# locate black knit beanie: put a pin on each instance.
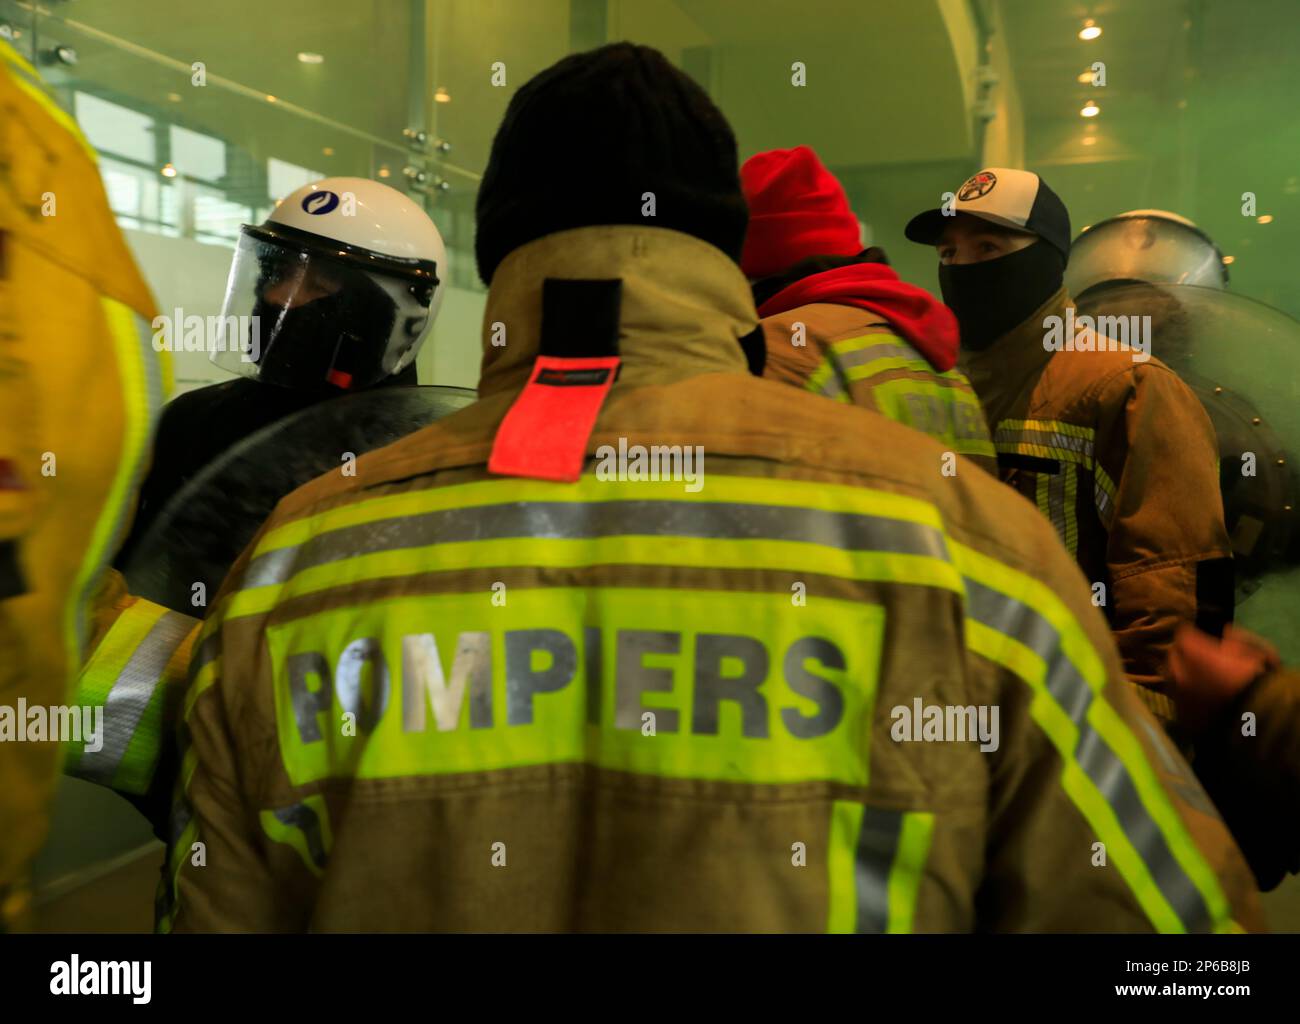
(582, 142)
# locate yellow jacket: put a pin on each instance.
(80, 389)
(1121, 457)
(430, 698)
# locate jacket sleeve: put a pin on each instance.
(1094, 820)
(1168, 554)
(1249, 761)
(134, 677)
(219, 876)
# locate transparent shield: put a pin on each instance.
(1242, 358)
(205, 526)
(1141, 248)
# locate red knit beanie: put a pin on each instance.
(796, 209)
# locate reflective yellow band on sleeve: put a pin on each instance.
(1019, 623)
(134, 677)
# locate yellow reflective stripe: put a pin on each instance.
(864, 371)
(29, 81)
(907, 871)
(1040, 496)
(1042, 452)
(875, 863)
(842, 867)
(141, 399)
(306, 828)
(205, 664)
(1049, 426)
(1105, 770)
(1071, 536)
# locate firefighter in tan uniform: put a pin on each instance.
(1104, 438)
(597, 651)
(80, 390)
(837, 320)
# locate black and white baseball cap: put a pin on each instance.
(1015, 199)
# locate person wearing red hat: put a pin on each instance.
(836, 318)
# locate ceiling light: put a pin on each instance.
(1090, 110)
(270, 98)
(1228, 259)
(1085, 77)
(328, 150)
(384, 172)
(1265, 219)
(175, 97)
(168, 171)
(1089, 140)
(1090, 30)
(441, 95)
(311, 58)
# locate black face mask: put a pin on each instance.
(993, 297)
(346, 332)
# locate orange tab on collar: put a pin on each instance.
(544, 435)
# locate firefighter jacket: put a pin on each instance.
(1119, 454)
(80, 389)
(743, 694)
(854, 356)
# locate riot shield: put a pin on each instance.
(1151, 246)
(1242, 359)
(207, 524)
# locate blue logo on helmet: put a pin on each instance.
(320, 202)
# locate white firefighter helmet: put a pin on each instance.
(338, 288)
(1147, 246)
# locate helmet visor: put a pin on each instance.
(297, 317)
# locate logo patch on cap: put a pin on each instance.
(977, 186)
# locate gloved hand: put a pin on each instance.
(1207, 673)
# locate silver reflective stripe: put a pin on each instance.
(303, 818)
(832, 386)
(130, 696)
(1105, 511)
(862, 356)
(1006, 437)
(556, 520)
(153, 405)
(1092, 753)
(873, 863)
